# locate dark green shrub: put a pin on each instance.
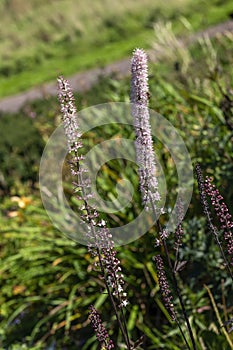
(21, 147)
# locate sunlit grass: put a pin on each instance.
(40, 39)
(50, 69)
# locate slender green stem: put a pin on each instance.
(175, 283)
(176, 289)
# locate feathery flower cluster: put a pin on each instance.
(100, 331)
(115, 278)
(164, 287)
(109, 263)
(74, 143)
(222, 213)
(69, 115)
(201, 187)
(163, 235)
(179, 233)
(100, 241)
(144, 146)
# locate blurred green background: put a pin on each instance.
(41, 39)
(47, 281)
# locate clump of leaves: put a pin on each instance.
(21, 147)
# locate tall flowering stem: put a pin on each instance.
(224, 217)
(166, 293)
(100, 243)
(164, 287)
(147, 165)
(179, 233)
(206, 188)
(144, 146)
(100, 331)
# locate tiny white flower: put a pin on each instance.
(120, 289)
(124, 303)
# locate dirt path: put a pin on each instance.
(81, 82)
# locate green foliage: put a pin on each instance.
(21, 146)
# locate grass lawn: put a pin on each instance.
(42, 39)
